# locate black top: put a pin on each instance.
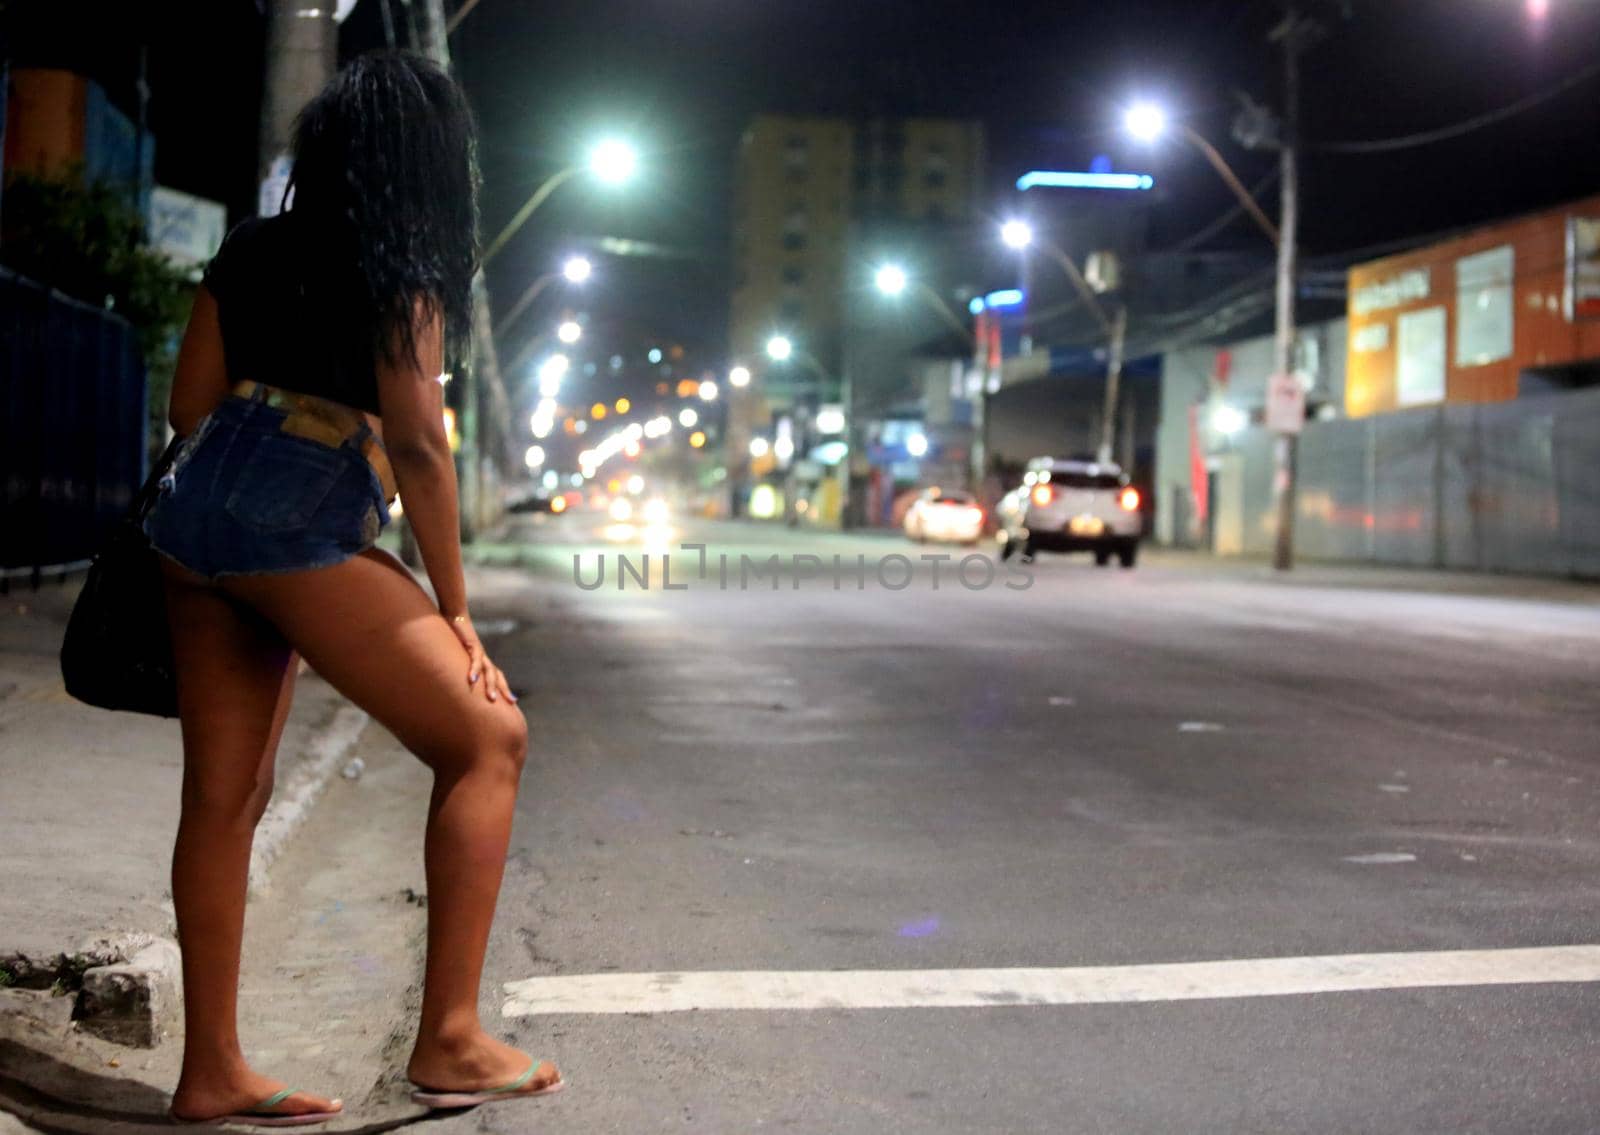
(271, 330)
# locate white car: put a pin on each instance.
(944, 516)
(1072, 506)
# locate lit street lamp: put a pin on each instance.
(892, 281)
(612, 162)
(570, 331)
(576, 270)
(779, 348)
(1147, 122)
(739, 376)
(1018, 235)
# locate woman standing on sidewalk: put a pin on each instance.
(309, 383)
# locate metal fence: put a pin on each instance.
(1509, 487)
(72, 427)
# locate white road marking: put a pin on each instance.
(1394, 788)
(1382, 857)
(1199, 727)
(1086, 985)
(1063, 701)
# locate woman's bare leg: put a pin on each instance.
(235, 682)
(373, 633)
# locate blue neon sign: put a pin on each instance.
(1072, 179)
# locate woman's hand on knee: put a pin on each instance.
(480, 671)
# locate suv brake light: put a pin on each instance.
(1129, 499)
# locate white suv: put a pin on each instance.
(1072, 506)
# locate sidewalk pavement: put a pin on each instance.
(88, 807)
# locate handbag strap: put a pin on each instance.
(145, 499)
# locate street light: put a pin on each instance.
(551, 372)
(708, 391)
(1148, 122)
(779, 349)
(687, 417)
(893, 281)
(759, 447)
(917, 444)
(1114, 325)
(534, 457)
(570, 331)
(1294, 34)
(739, 376)
(612, 162)
(1016, 234)
(576, 270)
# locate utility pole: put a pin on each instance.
(1108, 418)
(302, 54)
(483, 371)
(1293, 33)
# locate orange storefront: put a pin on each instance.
(1481, 317)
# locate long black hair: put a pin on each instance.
(385, 188)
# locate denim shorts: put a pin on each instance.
(244, 498)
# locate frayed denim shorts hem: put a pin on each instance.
(245, 498)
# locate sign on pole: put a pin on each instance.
(1286, 404)
(188, 230)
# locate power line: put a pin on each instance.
(1227, 218)
(1443, 133)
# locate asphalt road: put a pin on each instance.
(1186, 762)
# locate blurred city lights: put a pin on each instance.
(708, 391)
(636, 484)
(534, 457)
(623, 405)
(655, 355)
(551, 372)
(830, 420)
(739, 376)
(687, 417)
(779, 348)
(1016, 234)
(597, 411)
(697, 439)
(891, 279)
(570, 331)
(759, 447)
(613, 161)
(917, 444)
(632, 449)
(783, 448)
(577, 269)
(1228, 420)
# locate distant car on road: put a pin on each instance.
(944, 516)
(1072, 506)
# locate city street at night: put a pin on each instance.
(827, 567)
(1179, 764)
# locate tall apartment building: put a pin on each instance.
(805, 188)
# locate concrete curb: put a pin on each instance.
(131, 988)
(292, 800)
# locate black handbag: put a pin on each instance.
(117, 653)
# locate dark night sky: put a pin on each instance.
(682, 76)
